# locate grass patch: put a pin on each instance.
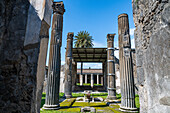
(67, 102)
(89, 84)
(91, 104)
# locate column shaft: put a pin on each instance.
(111, 67)
(68, 66)
(92, 80)
(101, 80)
(97, 79)
(53, 80)
(126, 68)
(86, 78)
(81, 79)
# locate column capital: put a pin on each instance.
(70, 35)
(122, 15)
(110, 37)
(58, 7)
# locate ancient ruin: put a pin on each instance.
(24, 35)
(126, 68)
(53, 80)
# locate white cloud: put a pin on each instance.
(132, 43)
(132, 31)
(62, 62)
(97, 44)
(116, 53)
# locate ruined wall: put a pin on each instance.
(18, 56)
(152, 41)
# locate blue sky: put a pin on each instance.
(98, 17)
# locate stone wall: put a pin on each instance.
(19, 51)
(152, 41)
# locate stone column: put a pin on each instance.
(86, 78)
(81, 79)
(97, 79)
(105, 74)
(111, 68)
(92, 80)
(126, 68)
(102, 80)
(53, 80)
(41, 70)
(68, 66)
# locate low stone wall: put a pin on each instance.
(152, 37)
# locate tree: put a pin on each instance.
(83, 40)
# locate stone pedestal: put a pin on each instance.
(81, 80)
(126, 68)
(92, 80)
(111, 68)
(53, 80)
(68, 66)
(86, 78)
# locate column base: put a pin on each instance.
(68, 96)
(112, 99)
(51, 107)
(127, 109)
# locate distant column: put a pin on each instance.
(81, 79)
(126, 68)
(86, 78)
(68, 66)
(102, 80)
(111, 68)
(53, 80)
(92, 80)
(105, 74)
(97, 79)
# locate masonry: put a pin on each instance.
(20, 40)
(152, 41)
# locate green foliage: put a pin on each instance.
(137, 101)
(83, 40)
(88, 84)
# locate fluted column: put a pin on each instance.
(92, 80)
(126, 68)
(53, 80)
(111, 68)
(68, 66)
(86, 78)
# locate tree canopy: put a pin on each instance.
(83, 40)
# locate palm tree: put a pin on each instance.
(83, 40)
